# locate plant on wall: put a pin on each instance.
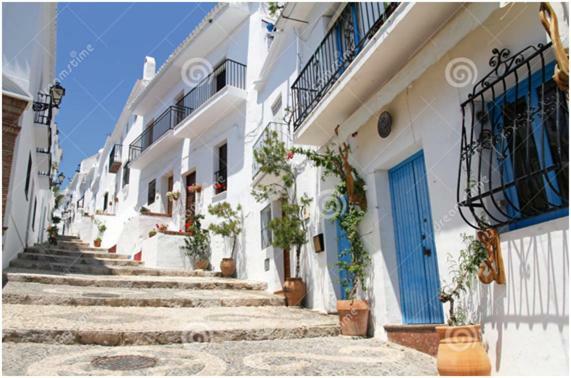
(351, 188)
(52, 234)
(463, 269)
(173, 196)
(197, 243)
(231, 224)
(290, 229)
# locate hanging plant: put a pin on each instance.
(194, 188)
(173, 196)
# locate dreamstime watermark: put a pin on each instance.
(76, 58)
(331, 204)
(461, 72)
(196, 333)
(194, 70)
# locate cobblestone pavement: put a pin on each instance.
(316, 356)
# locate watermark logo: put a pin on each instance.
(331, 204)
(461, 72)
(194, 70)
(76, 58)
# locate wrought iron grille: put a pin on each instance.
(226, 73)
(354, 28)
(220, 180)
(156, 129)
(41, 109)
(115, 158)
(514, 156)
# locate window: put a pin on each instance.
(28, 175)
(105, 199)
(151, 192)
(221, 175)
(514, 151)
(277, 107)
(265, 218)
(34, 213)
(126, 171)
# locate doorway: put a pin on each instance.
(170, 185)
(190, 196)
(416, 253)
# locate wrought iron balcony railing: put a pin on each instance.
(115, 158)
(41, 113)
(514, 155)
(227, 73)
(272, 129)
(156, 129)
(356, 24)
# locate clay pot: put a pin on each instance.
(201, 264)
(294, 291)
(353, 317)
(97, 243)
(461, 352)
(228, 267)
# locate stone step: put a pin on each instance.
(77, 260)
(73, 247)
(68, 238)
(103, 269)
(67, 252)
(65, 295)
(150, 325)
(159, 282)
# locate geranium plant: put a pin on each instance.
(197, 244)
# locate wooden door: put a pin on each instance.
(190, 196)
(169, 189)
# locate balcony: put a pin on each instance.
(213, 98)
(115, 158)
(43, 159)
(145, 148)
(281, 131)
(362, 51)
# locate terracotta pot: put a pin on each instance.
(201, 264)
(97, 243)
(294, 291)
(461, 352)
(353, 317)
(228, 267)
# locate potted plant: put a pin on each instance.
(161, 227)
(290, 230)
(195, 188)
(347, 206)
(460, 351)
(101, 228)
(52, 234)
(197, 244)
(152, 233)
(173, 196)
(229, 228)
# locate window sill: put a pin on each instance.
(219, 197)
(532, 221)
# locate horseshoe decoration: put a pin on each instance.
(492, 269)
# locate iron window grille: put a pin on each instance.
(221, 175)
(514, 155)
(151, 191)
(356, 25)
(115, 158)
(41, 108)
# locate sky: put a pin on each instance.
(101, 49)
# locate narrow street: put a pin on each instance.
(90, 312)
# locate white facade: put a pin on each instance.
(402, 70)
(28, 69)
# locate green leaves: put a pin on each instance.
(197, 244)
(231, 226)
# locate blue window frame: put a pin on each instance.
(534, 149)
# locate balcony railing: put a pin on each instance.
(272, 129)
(115, 158)
(156, 129)
(356, 24)
(228, 73)
(41, 113)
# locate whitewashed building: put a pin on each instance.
(30, 142)
(422, 92)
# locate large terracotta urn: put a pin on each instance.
(353, 317)
(228, 267)
(294, 291)
(460, 351)
(201, 264)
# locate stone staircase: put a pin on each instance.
(75, 294)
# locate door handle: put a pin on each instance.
(426, 251)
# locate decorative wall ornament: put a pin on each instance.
(384, 124)
(492, 269)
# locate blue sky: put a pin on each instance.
(100, 53)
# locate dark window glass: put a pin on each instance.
(34, 213)
(151, 192)
(125, 175)
(28, 175)
(265, 217)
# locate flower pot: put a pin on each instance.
(97, 243)
(228, 267)
(294, 291)
(353, 317)
(201, 264)
(460, 351)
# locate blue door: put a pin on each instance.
(343, 244)
(414, 239)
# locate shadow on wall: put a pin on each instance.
(535, 295)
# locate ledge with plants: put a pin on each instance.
(197, 243)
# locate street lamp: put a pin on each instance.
(60, 178)
(57, 92)
(55, 96)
